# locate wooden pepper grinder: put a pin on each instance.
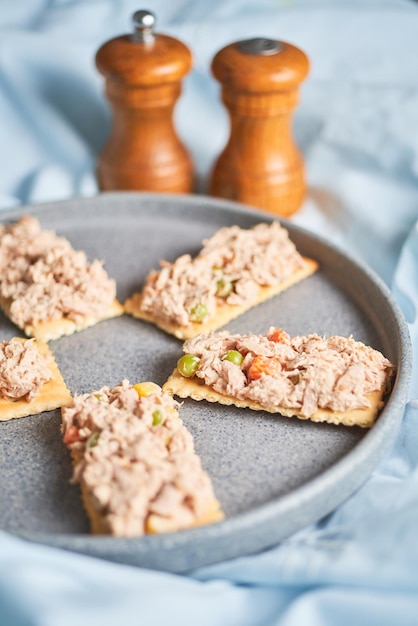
(143, 72)
(260, 164)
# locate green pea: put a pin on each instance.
(92, 440)
(234, 356)
(187, 365)
(157, 418)
(198, 312)
(223, 287)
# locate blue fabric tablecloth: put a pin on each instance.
(357, 126)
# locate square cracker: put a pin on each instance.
(225, 313)
(196, 389)
(50, 330)
(155, 525)
(52, 395)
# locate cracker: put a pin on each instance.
(155, 525)
(52, 395)
(50, 281)
(100, 513)
(50, 330)
(225, 313)
(196, 389)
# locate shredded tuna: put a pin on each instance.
(23, 370)
(42, 277)
(303, 373)
(231, 267)
(132, 466)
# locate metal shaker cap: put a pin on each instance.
(143, 22)
(260, 46)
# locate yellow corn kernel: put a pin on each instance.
(146, 389)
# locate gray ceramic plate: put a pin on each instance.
(273, 475)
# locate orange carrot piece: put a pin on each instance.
(263, 365)
(278, 335)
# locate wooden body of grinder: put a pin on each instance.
(143, 72)
(261, 164)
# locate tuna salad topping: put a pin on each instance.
(137, 459)
(42, 277)
(275, 370)
(230, 268)
(23, 370)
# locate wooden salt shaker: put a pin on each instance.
(261, 164)
(143, 72)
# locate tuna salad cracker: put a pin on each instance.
(235, 270)
(335, 379)
(135, 462)
(47, 288)
(30, 381)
